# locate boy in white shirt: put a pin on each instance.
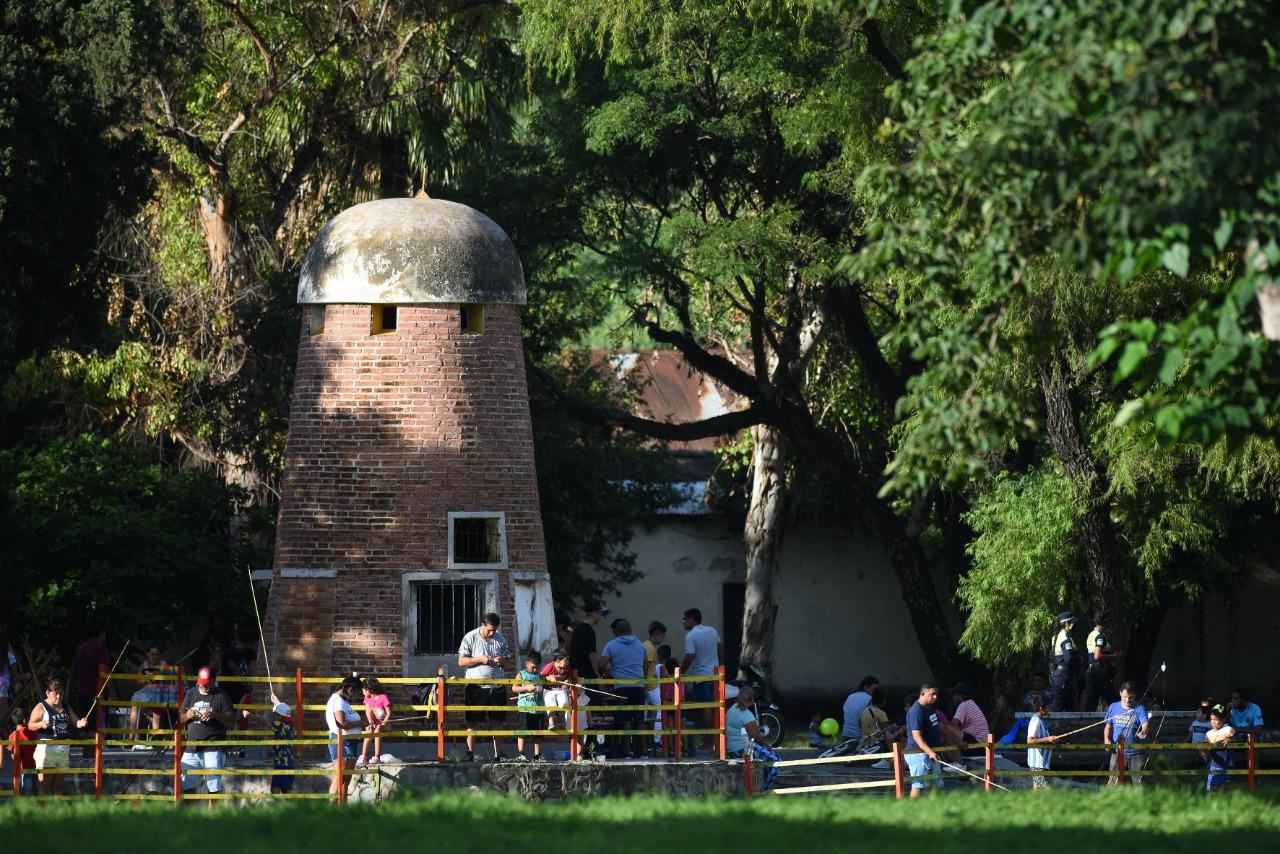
(1038, 733)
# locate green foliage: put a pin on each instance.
(1123, 138)
(1025, 564)
(595, 484)
(96, 528)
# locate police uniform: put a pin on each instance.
(1062, 672)
(1099, 678)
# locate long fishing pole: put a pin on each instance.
(984, 780)
(262, 637)
(107, 681)
(1107, 719)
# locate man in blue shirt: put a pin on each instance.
(924, 734)
(1246, 717)
(1127, 721)
(623, 658)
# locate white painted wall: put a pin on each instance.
(840, 610)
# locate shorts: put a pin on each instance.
(52, 756)
(920, 765)
(532, 721)
(1215, 781)
(483, 695)
(704, 692)
(209, 760)
(283, 782)
(348, 746)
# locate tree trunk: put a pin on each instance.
(1094, 528)
(902, 541)
(762, 539)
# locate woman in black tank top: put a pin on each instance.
(51, 719)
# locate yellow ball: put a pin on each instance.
(829, 727)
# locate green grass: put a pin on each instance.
(959, 821)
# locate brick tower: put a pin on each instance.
(409, 505)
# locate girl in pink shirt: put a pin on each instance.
(377, 708)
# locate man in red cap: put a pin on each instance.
(206, 713)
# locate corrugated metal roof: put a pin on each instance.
(670, 390)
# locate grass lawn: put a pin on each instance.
(960, 821)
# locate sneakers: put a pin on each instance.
(470, 757)
(375, 760)
(361, 762)
(520, 757)
(539, 758)
(502, 757)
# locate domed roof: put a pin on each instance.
(404, 251)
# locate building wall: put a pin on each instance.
(389, 434)
(840, 611)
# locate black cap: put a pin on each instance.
(596, 605)
(1102, 616)
(1066, 617)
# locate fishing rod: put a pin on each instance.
(984, 780)
(262, 637)
(1106, 719)
(107, 681)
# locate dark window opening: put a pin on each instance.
(446, 610)
(384, 319)
(476, 539)
(471, 318)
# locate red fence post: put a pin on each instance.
(721, 714)
(338, 767)
(182, 685)
(177, 764)
(17, 763)
(990, 772)
(746, 772)
(97, 764)
(1120, 761)
(299, 730)
(1252, 760)
(441, 689)
(573, 716)
(899, 778)
(679, 715)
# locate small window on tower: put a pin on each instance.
(477, 540)
(317, 319)
(472, 318)
(384, 319)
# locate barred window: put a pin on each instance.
(477, 540)
(445, 611)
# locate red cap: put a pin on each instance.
(204, 677)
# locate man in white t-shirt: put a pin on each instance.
(703, 653)
(339, 715)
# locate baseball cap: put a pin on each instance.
(1066, 617)
(597, 606)
(282, 709)
(204, 677)
(1102, 617)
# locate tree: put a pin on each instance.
(711, 176)
(1062, 166)
(97, 528)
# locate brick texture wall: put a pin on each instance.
(388, 434)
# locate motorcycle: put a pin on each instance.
(768, 713)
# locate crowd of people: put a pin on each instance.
(1072, 685)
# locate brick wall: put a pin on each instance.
(388, 434)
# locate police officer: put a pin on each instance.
(1063, 665)
(1099, 679)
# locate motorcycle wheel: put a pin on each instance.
(771, 727)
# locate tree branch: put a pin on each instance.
(233, 6)
(845, 304)
(589, 413)
(880, 51)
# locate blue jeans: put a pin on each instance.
(760, 753)
(348, 746)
